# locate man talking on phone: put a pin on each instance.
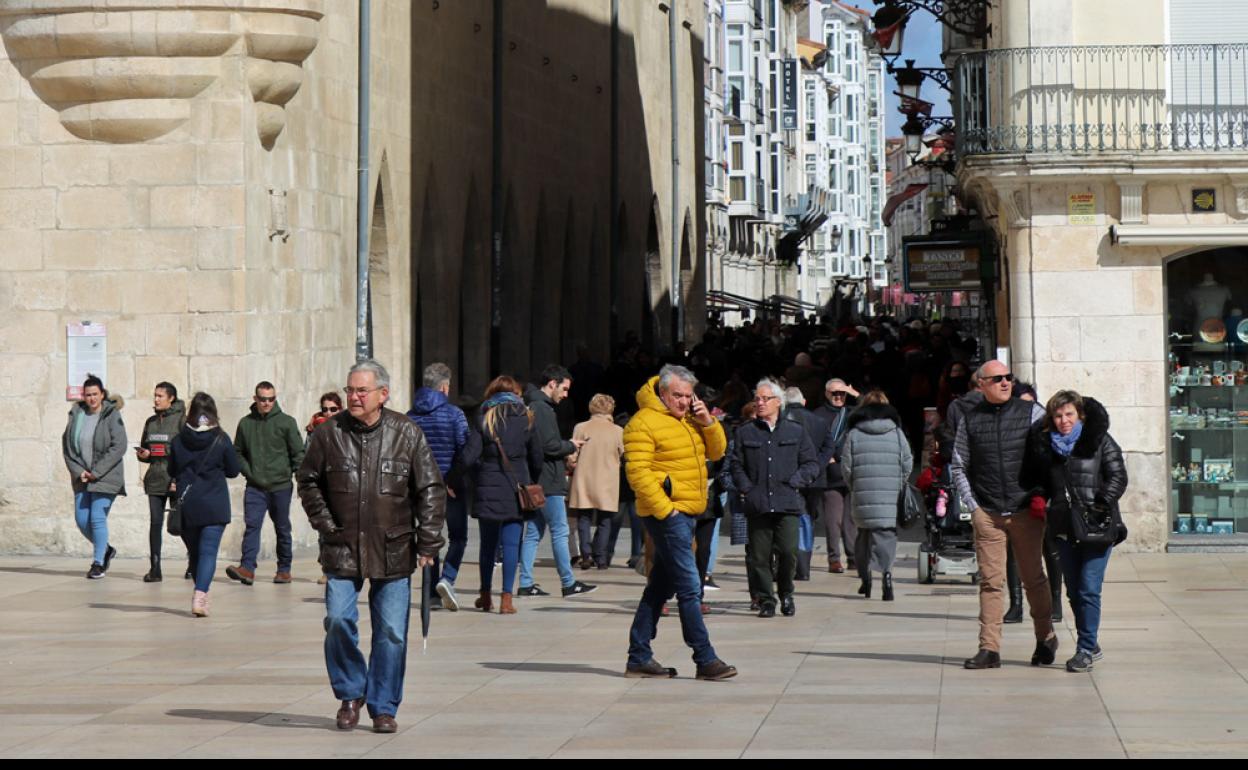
(666, 446)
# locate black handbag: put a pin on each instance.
(911, 507)
(173, 522)
(1090, 523)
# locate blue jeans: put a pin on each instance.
(91, 516)
(492, 535)
(805, 533)
(554, 514)
(675, 573)
(457, 532)
(710, 567)
(1083, 566)
(636, 529)
(202, 545)
(256, 503)
(379, 680)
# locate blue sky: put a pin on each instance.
(922, 44)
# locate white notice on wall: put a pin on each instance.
(87, 350)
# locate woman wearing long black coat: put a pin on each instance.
(507, 421)
(1075, 455)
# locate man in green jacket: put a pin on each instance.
(270, 448)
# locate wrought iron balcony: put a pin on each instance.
(1103, 99)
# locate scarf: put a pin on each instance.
(498, 399)
(1064, 445)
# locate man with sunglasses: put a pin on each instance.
(839, 524)
(270, 450)
(988, 458)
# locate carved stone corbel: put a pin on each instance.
(1241, 198)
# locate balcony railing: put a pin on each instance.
(1093, 99)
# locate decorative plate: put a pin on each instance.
(1213, 331)
(1241, 331)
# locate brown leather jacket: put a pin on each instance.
(374, 494)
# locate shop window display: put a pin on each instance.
(1208, 367)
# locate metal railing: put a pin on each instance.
(1091, 99)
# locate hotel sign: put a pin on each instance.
(789, 114)
(932, 266)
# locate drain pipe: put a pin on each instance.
(363, 328)
(678, 326)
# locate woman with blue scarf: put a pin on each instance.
(1077, 456)
(502, 452)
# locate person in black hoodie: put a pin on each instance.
(1075, 455)
(201, 458)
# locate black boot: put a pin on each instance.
(1014, 583)
(865, 589)
(803, 566)
(1057, 605)
(888, 586)
(153, 574)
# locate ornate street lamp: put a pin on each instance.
(969, 17)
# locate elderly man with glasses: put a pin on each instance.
(773, 460)
(988, 469)
(372, 489)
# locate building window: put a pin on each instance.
(736, 188)
(736, 56)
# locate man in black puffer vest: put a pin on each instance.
(988, 471)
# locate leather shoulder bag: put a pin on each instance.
(910, 505)
(531, 496)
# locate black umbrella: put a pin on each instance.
(426, 586)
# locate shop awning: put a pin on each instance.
(895, 201)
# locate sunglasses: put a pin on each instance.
(333, 409)
(997, 379)
(837, 394)
(264, 400)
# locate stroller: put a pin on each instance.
(948, 549)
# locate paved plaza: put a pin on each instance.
(119, 668)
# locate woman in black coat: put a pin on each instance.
(1075, 456)
(507, 421)
(201, 458)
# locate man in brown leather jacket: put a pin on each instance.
(371, 487)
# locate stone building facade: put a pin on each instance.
(1104, 142)
(185, 174)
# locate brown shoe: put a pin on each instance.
(484, 602)
(716, 671)
(349, 713)
(384, 723)
(836, 568)
(505, 607)
(281, 578)
(241, 574)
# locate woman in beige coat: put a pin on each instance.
(595, 491)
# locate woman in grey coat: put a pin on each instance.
(876, 463)
(94, 445)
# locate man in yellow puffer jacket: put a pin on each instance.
(666, 446)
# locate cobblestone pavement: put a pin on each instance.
(118, 668)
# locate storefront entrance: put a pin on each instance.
(1207, 295)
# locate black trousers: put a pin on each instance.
(595, 547)
(772, 532)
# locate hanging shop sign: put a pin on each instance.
(789, 104)
(945, 264)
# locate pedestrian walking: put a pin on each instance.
(838, 524)
(876, 462)
(1082, 469)
(988, 469)
(202, 458)
(158, 434)
(93, 447)
(542, 399)
(372, 490)
(446, 429)
(667, 443)
(503, 453)
(331, 404)
(270, 449)
(819, 431)
(772, 461)
(595, 484)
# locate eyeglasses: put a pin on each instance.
(350, 391)
(266, 399)
(765, 399)
(997, 379)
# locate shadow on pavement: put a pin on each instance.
(898, 658)
(140, 608)
(554, 668)
(43, 571)
(269, 718)
(921, 616)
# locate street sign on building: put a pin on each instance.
(789, 103)
(944, 263)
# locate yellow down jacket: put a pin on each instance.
(658, 448)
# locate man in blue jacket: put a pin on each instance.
(446, 429)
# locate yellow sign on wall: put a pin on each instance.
(1081, 208)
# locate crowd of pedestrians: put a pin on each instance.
(776, 433)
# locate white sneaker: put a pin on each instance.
(447, 592)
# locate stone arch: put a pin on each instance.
(653, 277)
(384, 324)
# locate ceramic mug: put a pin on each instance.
(1216, 381)
(1206, 379)
(1237, 366)
(1219, 367)
(1185, 371)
